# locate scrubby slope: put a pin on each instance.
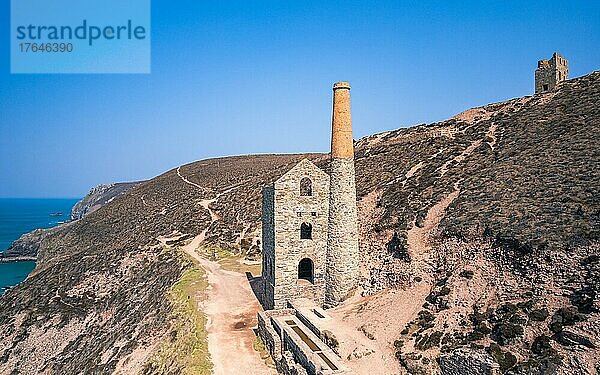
(97, 301)
(497, 205)
(496, 211)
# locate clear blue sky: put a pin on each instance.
(245, 77)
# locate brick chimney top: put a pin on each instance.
(341, 130)
(341, 85)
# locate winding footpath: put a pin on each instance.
(231, 309)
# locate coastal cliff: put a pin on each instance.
(98, 196)
(27, 246)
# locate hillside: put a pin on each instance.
(479, 237)
(98, 196)
(26, 247)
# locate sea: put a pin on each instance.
(22, 215)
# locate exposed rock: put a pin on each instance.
(26, 247)
(541, 346)
(506, 332)
(330, 339)
(398, 247)
(99, 196)
(466, 362)
(505, 359)
(412, 362)
(539, 315)
(427, 341)
(585, 296)
(565, 316)
(483, 328)
(568, 338)
(467, 274)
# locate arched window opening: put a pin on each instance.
(306, 270)
(306, 231)
(305, 187)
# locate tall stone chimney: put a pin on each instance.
(342, 241)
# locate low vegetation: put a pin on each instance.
(528, 179)
(185, 350)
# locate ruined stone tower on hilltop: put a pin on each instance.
(309, 223)
(342, 242)
(550, 73)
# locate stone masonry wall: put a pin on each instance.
(290, 211)
(342, 246)
(284, 360)
(268, 245)
(550, 73)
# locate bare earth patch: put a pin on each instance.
(231, 309)
(368, 326)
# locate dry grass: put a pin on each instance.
(259, 346)
(228, 260)
(186, 349)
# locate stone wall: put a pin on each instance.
(268, 245)
(342, 245)
(287, 249)
(550, 73)
(291, 353)
(266, 331)
(284, 360)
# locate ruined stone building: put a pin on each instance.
(310, 253)
(309, 221)
(550, 73)
(295, 212)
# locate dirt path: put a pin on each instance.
(231, 309)
(188, 181)
(418, 237)
(382, 316)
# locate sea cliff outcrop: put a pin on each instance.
(98, 196)
(27, 246)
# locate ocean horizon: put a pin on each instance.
(22, 215)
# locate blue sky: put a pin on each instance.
(233, 78)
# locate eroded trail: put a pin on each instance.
(383, 316)
(418, 238)
(231, 309)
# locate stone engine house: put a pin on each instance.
(295, 212)
(310, 224)
(550, 73)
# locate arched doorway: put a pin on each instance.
(306, 270)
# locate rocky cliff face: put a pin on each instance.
(489, 221)
(26, 247)
(99, 196)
